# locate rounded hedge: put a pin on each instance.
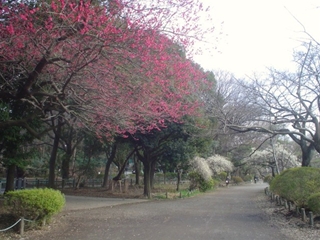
(35, 204)
(297, 184)
(314, 203)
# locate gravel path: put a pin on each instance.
(228, 213)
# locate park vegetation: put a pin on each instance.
(94, 89)
(37, 205)
(299, 185)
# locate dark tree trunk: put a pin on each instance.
(273, 172)
(147, 185)
(307, 154)
(137, 168)
(178, 179)
(118, 177)
(108, 164)
(54, 151)
(11, 169)
(70, 141)
(65, 166)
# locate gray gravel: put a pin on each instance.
(227, 213)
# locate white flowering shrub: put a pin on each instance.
(201, 166)
(200, 176)
(278, 156)
(218, 164)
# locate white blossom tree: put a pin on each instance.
(219, 164)
(278, 158)
(211, 165)
(201, 166)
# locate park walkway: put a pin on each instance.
(228, 213)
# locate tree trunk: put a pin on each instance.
(147, 185)
(307, 154)
(108, 164)
(54, 151)
(10, 178)
(274, 154)
(137, 168)
(178, 179)
(65, 165)
(118, 177)
(272, 170)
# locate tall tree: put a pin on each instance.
(151, 148)
(289, 103)
(72, 57)
(115, 67)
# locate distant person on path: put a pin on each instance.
(255, 179)
(227, 181)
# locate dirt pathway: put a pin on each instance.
(228, 213)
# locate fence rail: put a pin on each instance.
(22, 221)
(290, 206)
(25, 183)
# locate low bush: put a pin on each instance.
(267, 179)
(35, 204)
(247, 178)
(222, 176)
(237, 180)
(198, 182)
(297, 184)
(314, 203)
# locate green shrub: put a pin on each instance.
(198, 182)
(237, 180)
(222, 176)
(247, 178)
(35, 204)
(268, 179)
(314, 203)
(297, 184)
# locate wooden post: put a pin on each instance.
(166, 194)
(126, 185)
(119, 182)
(22, 226)
(297, 210)
(180, 195)
(311, 223)
(112, 185)
(303, 214)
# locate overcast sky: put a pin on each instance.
(258, 33)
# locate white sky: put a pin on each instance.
(257, 33)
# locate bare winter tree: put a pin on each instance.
(289, 103)
(230, 105)
(275, 156)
